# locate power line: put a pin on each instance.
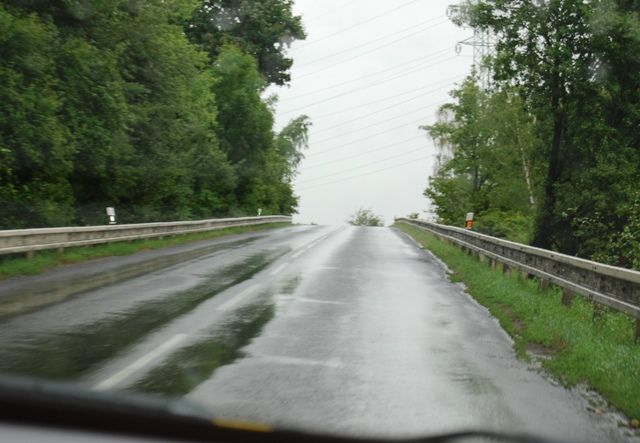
(431, 91)
(423, 26)
(369, 137)
(342, 94)
(376, 124)
(382, 148)
(330, 11)
(424, 58)
(412, 91)
(316, 71)
(365, 174)
(369, 20)
(362, 166)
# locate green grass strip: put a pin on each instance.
(599, 351)
(13, 266)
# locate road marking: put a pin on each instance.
(314, 300)
(304, 249)
(237, 299)
(309, 246)
(140, 363)
(279, 269)
(413, 240)
(333, 363)
(323, 268)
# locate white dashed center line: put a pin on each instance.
(279, 269)
(237, 298)
(143, 361)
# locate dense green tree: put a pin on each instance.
(245, 121)
(544, 48)
(292, 140)
(489, 164)
(574, 65)
(261, 28)
(600, 199)
(459, 183)
(173, 116)
(108, 103)
(34, 144)
(279, 167)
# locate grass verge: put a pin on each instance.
(599, 351)
(43, 260)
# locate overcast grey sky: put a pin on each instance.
(368, 75)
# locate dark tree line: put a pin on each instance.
(150, 106)
(560, 168)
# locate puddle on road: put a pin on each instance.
(23, 299)
(290, 286)
(192, 365)
(70, 353)
(485, 400)
(475, 385)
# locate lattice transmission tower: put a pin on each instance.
(482, 42)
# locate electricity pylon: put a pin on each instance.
(481, 41)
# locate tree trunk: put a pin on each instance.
(545, 229)
(526, 169)
(527, 178)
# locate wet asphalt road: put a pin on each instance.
(332, 329)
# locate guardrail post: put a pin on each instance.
(506, 270)
(598, 312)
(543, 285)
(30, 254)
(567, 297)
(493, 263)
(638, 330)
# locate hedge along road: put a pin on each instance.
(342, 329)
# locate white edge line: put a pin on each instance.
(313, 300)
(279, 269)
(237, 298)
(297, 254)
(310, 245)
(140, 363)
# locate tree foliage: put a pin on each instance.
(109, 103)
(566, 108)
(365, 217)
(264, 29)
(489, 164)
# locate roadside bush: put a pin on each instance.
(365, 217)
(509, 225)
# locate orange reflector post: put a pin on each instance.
(469, 221)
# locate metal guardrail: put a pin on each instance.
(30, 240)
(615, 287)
